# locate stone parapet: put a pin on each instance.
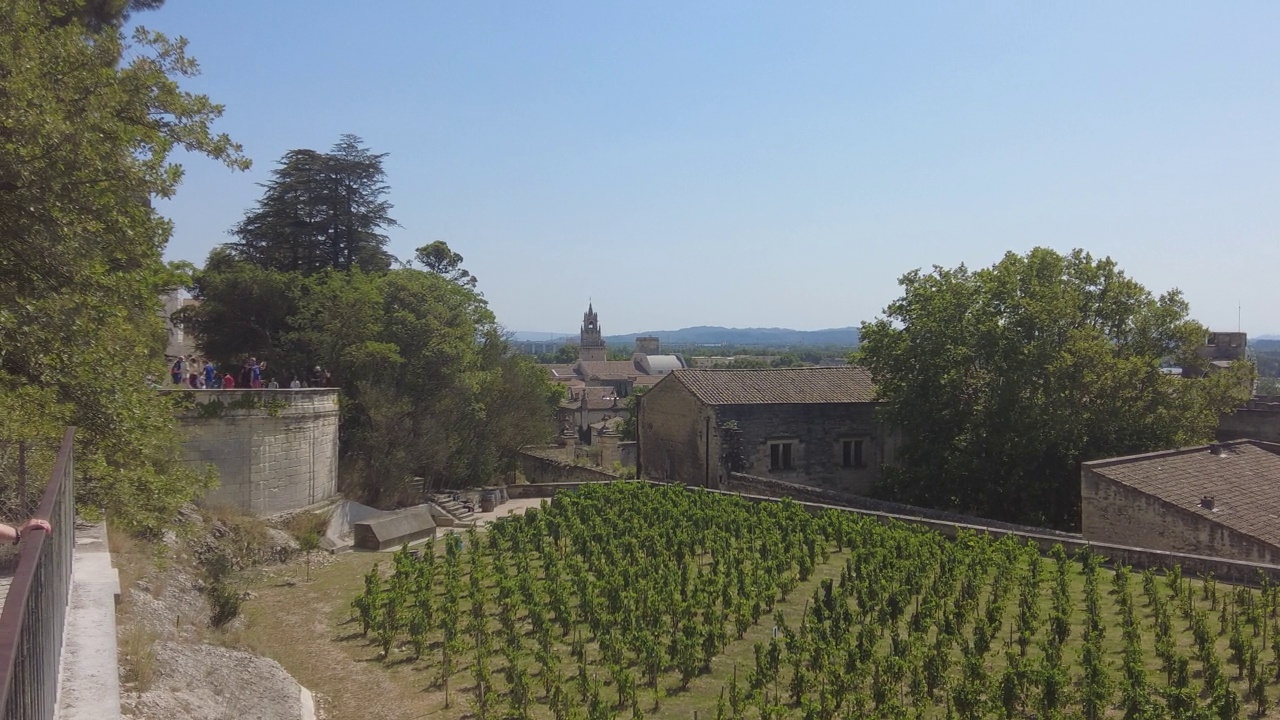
(274, 450)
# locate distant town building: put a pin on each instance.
(597, 387)
(724, 361)
(809, 425)
(1225, 346)
(1219, 500)
(179, 342)
(591, 347)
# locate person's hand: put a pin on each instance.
(34, 524)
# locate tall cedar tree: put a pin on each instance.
(1002, 380)
(87, 136)
(320, 211)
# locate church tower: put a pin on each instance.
(590, 343)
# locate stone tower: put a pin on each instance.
(590, 343)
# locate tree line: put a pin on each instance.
(1002, 380)
(91, 116)
(430, 385)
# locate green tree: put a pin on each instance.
(320, 210)
(787, 359)
(101, 14)
(630, 429)
(245, 308)
(1268, 386)
(1002, 379)
(438, 258)
(86, 144)
(430, 386)
(566, 355)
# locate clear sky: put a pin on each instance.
(765, 164)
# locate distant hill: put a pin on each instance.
(774, 337)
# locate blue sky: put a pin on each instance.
(765, 164)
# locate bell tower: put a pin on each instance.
(591, 346)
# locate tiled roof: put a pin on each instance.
(560, 371)
(609, 369)
(1244, 482)
(781, 386)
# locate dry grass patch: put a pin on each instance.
(137, 656)
(133, 557)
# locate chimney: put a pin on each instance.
(1215, 448)
(1206, 502)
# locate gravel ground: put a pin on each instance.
(163, 618)
(209, 682)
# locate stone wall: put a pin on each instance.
(682, 440)
(538, 468)
(550, 489)
(818, 432)
(674, 442)
(1115, 513)
(1237, 571)
(627, 453)
(768, 487)
(274, 450)
(1258, 420)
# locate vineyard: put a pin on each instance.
(621, 600)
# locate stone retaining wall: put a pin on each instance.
(274, 450)
(540, 469)
(742, 483)
(1139, 558)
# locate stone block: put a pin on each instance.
(395, 529)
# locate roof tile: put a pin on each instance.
(780, 386)
(1244, 482)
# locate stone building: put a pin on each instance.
(591, 347)
(1225, 346)
(596, 387)
(178, 343)
(812, 425)
(1258, 419)
(1219, 500)
(585, 406)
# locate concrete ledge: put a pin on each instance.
(308, 704)
(89, 682)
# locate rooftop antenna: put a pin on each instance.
(1238, 306)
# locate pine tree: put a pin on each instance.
(319, 211)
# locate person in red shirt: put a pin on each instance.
(228, 382)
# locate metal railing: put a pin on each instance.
(35, 609)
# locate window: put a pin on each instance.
(780, 456)
(852, 453)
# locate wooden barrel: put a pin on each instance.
(488, 500)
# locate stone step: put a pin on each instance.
(455, 508)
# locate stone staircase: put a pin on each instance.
(462, 514)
